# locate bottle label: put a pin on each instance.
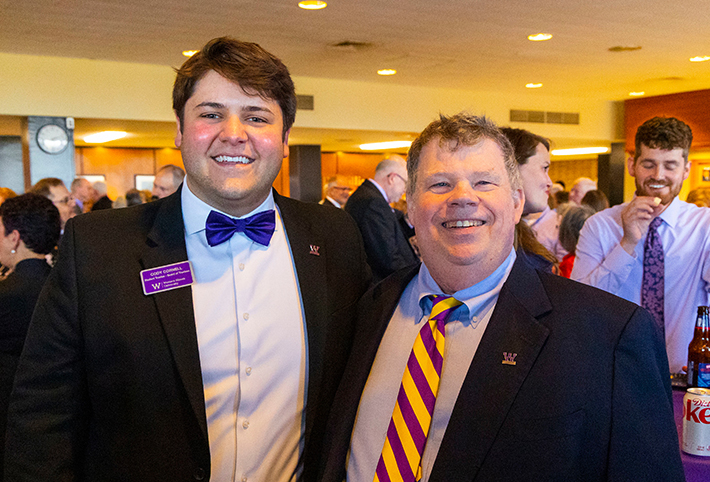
(704, 375)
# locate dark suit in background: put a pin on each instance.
(569, 410)
(386, 246)
(102, 203)
(109, 387)
(18, 296)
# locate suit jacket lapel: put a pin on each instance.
(491, 385)
(165, 244)
(309, 257)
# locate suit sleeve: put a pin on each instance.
(379, 233)
(596, 264)
(644, 441)
(48, 413)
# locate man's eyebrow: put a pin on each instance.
(214, 105)
(256, 108)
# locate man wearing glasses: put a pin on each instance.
(55, 190)
(386, 246)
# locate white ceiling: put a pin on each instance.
(468, 44)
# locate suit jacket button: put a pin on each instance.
(199, 473)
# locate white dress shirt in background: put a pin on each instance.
(685, 234)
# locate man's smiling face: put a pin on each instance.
(659, 173)
(232, 144)
(463, 208)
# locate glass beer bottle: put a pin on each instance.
(699, 351)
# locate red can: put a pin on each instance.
(696, 422)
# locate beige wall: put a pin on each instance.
(54, 86)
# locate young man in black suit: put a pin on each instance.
(542, 379)
(132, 373)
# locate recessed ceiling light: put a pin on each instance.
(386, 72)
(700, 59)
(533, 86)
(637, 94)
(376, 146)
(104, 136)
(539, 37)
(189, 53)
(312, 5)
(579, 151)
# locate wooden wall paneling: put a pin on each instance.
(570, 171)
(164, 157)
(690, 107)
(119, 165)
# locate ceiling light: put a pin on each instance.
(189, 53)
(377, 146)
(533, 86)
(700, 59)
(312, 5)
(539, 37)
(637, 94)
(579, 151)
(386, 72)
(104, 136)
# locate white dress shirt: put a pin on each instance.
(685, 234)
(251, 337)
(381, 189)
(464, 331)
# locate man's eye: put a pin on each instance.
(256, 119)
(210, 115)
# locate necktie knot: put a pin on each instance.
(655, 223)
(442, 306)
(259, 227)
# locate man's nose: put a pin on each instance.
(233, 130)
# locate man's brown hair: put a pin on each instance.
(254, 69)
(664, 133)
(458, 130)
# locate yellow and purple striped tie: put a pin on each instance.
(409, 427)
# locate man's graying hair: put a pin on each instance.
(458, 130)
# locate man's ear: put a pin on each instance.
(14, 237)
(286, 143)
(631, 165)
(178, 134)
(686, 170)
(519, 203)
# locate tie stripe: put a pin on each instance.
(400, 460)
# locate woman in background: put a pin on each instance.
(29, 230)
(570, 226)
(532, 154)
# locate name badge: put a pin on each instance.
(168, 277)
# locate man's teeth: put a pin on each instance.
(238, 159)
(462, 224)
(657, 186)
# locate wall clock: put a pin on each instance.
(52, 139)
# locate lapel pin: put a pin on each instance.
(314, 250)
(509, 358)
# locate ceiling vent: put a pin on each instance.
(350, 46)
(541, 117)
(304, 102)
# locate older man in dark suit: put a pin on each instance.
(202, 336)
(386, 245)
(476, 367)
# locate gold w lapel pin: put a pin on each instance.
(509, 358)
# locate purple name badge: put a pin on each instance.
(168, 277)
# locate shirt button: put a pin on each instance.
(245, 316)
(244, 478)
(245, 424)
(241, 268)
(248, 370)
(475, 318)
(199, 474)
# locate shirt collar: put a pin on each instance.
(672, 212)
(335, 203)
(476, 299)
(195, 210)
(379, 188)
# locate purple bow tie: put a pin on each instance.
(259, 227)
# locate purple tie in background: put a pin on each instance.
(259, 227)
(652, 286)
